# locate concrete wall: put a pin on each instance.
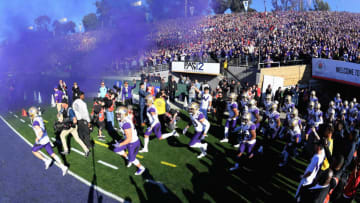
(292, 74)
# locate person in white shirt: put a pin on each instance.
(312, 169)
(83, 118)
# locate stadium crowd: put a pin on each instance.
(280, 36)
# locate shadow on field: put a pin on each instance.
(154, 191)
(92, 190)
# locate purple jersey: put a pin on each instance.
(58, 96)
(273, 117)
(230, 107)
(196, 121)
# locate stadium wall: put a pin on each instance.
(298, 74)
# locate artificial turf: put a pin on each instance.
(192, 180)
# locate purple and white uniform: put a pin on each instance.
(268, 105)
(247, 144)
(134, 145)
(200, 128)
(314, 99)
(310, 116)
(318, 118)
(288, 107)
(253, 112)
(205, 103)
(337, 103)
(243, 104)
(154, 122)
(294, 134)
(41, 134)
(231, 122)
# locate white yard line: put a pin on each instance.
(16, 116)
(77, 151)
(53, 139)
(109, 194)
(29, 126)
(107, 164)
(22, 120)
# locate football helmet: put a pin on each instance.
(288, 99)
(346, 103)
(311, 105)
(318, 106)
(121, 113)
(33, 112)
(294, 123)
(268, 97)
(252, 103)
(313, 93)
(294, 113)
(243, 96)
(352, 105)
(354, 100)
(331, 111)
(194, 107)
(338, 95)
(331, 104)
(343, 112)
(149, 99)
(246, 118)
(273, 107)
(232, 97)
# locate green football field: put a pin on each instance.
(174, 164)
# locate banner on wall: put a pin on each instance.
(337, 71)
(196, 68)
(274, 81)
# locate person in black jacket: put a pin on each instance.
(172, 89)
(76, 91)
(219, 107)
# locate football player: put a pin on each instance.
(294, 136)
(42, 141)
(273, 122)
(338, 101)
(254, 113)
(232, 108)
(247, 131)
(155, 126)
(131, 142)
(243, 102)
(289, 105)
(201, 126)
(313, 97)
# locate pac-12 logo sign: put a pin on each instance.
(194, 66)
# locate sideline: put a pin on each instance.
(109, 194)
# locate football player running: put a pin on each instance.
(201, 126)
(232, 107)
(131, 142)
(155, 125)
(42, 141)
(248, 132)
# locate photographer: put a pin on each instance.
(75, 91)
(98, 117)
(69, 122)
(142, 94)
(83, 118)
(109, 101)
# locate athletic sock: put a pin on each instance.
(166, 135)
(146, 143)
(57, 159)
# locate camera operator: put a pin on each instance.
(69, 122)
(126, 93)
(98, 117)
(109, 101)
(83, 119)
(219, 107)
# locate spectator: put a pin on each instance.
(102, 90)
(127, 93)
(142, 95)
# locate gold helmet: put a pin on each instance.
(288, 99)
(346, 103)
(274, 107)
(121, 113)
(33, 111)
(252, 103)
(343, 111)
(318, 106)
(313, 93)
(294, 113)
(311, 105)
(233, 96)
(338, 95)
(243, 96)
(194, 107)
(246, 118)
(268, 97)
(352, 105)
(149, 99)
(332, 104)
(354, 100)
(331, 111)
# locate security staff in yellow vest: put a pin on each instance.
(160, 106)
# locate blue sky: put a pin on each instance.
(16, 14)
